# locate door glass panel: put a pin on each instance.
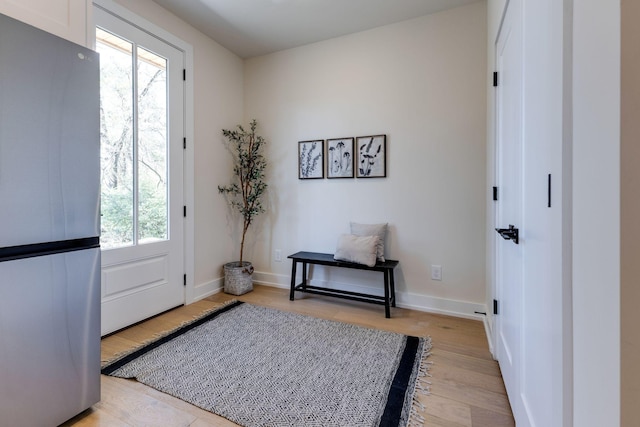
(134, 143)
(152, 146)
(116, 139)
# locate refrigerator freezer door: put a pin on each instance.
(49, 137)
(49, 338)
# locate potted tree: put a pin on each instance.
(244, 194)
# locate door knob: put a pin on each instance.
(510, 233)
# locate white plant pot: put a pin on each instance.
(238, 278)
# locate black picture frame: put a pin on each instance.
(340, 158)
(371, 156)
(311, 159)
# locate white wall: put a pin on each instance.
(596, 207)
(422, 83)
(218, 104)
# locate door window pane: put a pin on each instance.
(116, 140)
(152, 146)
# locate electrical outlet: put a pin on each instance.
(436, 272)
(277, 255)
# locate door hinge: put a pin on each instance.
(184, 282)
(495, 193)
(495, 306)
(549, 191)
(184, 211)
(184, 74)
(495, 79)
(184, 143)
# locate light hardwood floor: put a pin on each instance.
(466, 385)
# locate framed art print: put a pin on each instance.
(340, 158)
(311, 159)
(371, 160)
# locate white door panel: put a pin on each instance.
(142, 166)
(530, 338)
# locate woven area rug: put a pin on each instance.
(263, 367)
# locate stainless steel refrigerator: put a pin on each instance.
(49, 227)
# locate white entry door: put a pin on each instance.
(142, 231)
(509, 208)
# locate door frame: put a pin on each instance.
(509, 177)
(188, 181)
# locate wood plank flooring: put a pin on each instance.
(466, 385)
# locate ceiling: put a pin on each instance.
(257, 27)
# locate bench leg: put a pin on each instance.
(293, 280)
(393, 288)
(304, 275)
(387, 310)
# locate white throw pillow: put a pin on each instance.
(379, 230)
(358, 249)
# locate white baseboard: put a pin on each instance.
(409, 300)
(449, 307)
(273, 280)
(207, 289)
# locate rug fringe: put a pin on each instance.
(160, 335)
(422, 387)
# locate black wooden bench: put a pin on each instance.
(388, 300)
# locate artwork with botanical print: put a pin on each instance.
(372, 152)
(340, 158)
(311, 159)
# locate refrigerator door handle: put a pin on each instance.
(49, 248)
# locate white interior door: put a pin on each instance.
(142, 133)
(509, 208)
